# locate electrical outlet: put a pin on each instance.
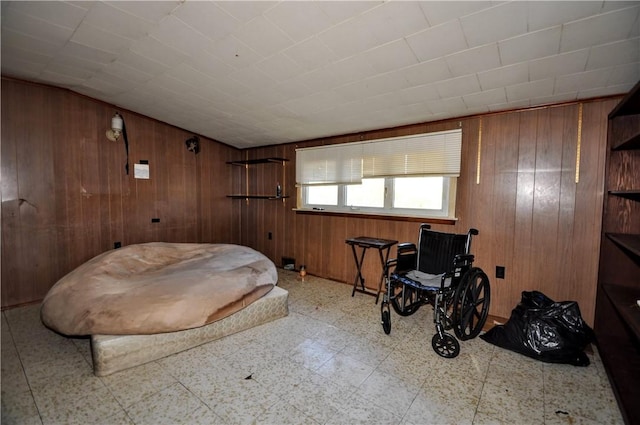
(269, 236)
(499, 272)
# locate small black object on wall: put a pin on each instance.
(193, 144)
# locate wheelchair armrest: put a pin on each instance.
(463, 260)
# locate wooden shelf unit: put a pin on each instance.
(246, 163)
(617, 318)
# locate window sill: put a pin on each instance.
(432, 220)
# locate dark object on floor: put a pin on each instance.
(549, 331)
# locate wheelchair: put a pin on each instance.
(439, 272)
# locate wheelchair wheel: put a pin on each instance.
(409, 305)
(471, 304)
(386, 317)
(445, 345)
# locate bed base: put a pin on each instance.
(113, 353)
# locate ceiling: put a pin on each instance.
(261, 73)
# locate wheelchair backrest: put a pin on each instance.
(436, 250)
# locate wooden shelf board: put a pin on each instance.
(630, 243)
(257, 161)
(631, 143)
(624, 299)
(629, 194)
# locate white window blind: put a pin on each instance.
(417, 155)
(333, 164)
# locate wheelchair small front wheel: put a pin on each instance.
(446, 345)
(386, 317)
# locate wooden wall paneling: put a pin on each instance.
(546, 200)
(14, 133)
(482, 204)
(569, 275)
(524, 272)
(506, 130)
(589, 204)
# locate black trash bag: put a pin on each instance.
(549, 331)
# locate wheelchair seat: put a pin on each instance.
(439, 271)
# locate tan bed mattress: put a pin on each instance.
(112, 353)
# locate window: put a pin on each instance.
(407, 176)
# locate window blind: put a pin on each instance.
(417, 155)
(333, 164)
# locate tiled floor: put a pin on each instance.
(328, 362)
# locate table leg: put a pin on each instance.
(383, 261)
(359, 276)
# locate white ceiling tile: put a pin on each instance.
(438, 41)
(63, 14)
(610, 90)
(446, 107)
(91, 36)
(488, 97)
(62, 68)
(573, 83)
(624, 73)
(474, 60)
(438, 12)
(76, 62)
(391, 56)
(500, 22)
(263, 36)
(210, 65)
(108, 18)
(530, 90)
(15, 67)
(126, 72)
(299, 20)
(599, 29)
(616, 53)
(141, 63)
(311, 54)
(545, 14)
(154, 49)
(427, 72)
(245, 11)
(529, 46)
(340, 11)
(175, 33)
(154, 11)
(509, 105)
(75, 50)
(253, 78)
(419, 94)
(35, 27)
(349, 38)
(379, 84)
(29, 44)
(504, 76)
(61, 79)
(394, 20)
(190, 76)
(458, 86)
(294, 75)
(280, 67)
(348, 70)
(233, 52)
(207, 18)
(566, 63)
